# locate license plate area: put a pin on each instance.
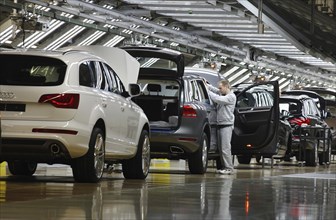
(12, 107)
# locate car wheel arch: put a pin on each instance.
(207, 131)
(101, 124)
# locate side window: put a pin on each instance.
(95, 74)
(246, 99)
(99, 80)
(120, 85)
(258, 96)
(101, 76)
(194, 90)
(85, 75)
(114, 85)
(202, 91)
(106, 74)
(264, 99)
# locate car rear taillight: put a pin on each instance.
(300, 121)
(66, 100)
(189, 111)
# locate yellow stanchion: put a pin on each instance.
(161, 164)
(3, 183)
(3, 166)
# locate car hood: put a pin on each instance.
(126, 66)
(161, 53)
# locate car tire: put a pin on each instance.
(90, 167)
(244, 159)
(138, 166)
(22, 168)
(198, 162)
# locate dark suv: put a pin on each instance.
(177, 107)
(311, 135)
(330, 98)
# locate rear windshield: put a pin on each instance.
(31, 70)
(148, 62)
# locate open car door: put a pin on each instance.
(256, 120)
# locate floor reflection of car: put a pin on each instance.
(177, 107)
(310, 132)
(71, 107)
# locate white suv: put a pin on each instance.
(71, 107)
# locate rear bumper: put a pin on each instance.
(173, 145)
(20, 143)
(38, 150)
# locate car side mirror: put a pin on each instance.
(134, 89)
(284, 113)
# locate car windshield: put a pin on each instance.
(31, 70)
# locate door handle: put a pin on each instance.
(122, 108)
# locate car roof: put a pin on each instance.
(213, 77)
(294, 97)
(124, 64)
(306, 92)
(310, 94)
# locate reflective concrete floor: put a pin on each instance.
(284, 192)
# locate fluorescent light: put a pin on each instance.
(233, 69)
(65, 37)
(114, 41)
(37, 36)
(235, 76)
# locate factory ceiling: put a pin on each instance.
(289, 41)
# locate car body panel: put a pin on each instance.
(256, 125)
